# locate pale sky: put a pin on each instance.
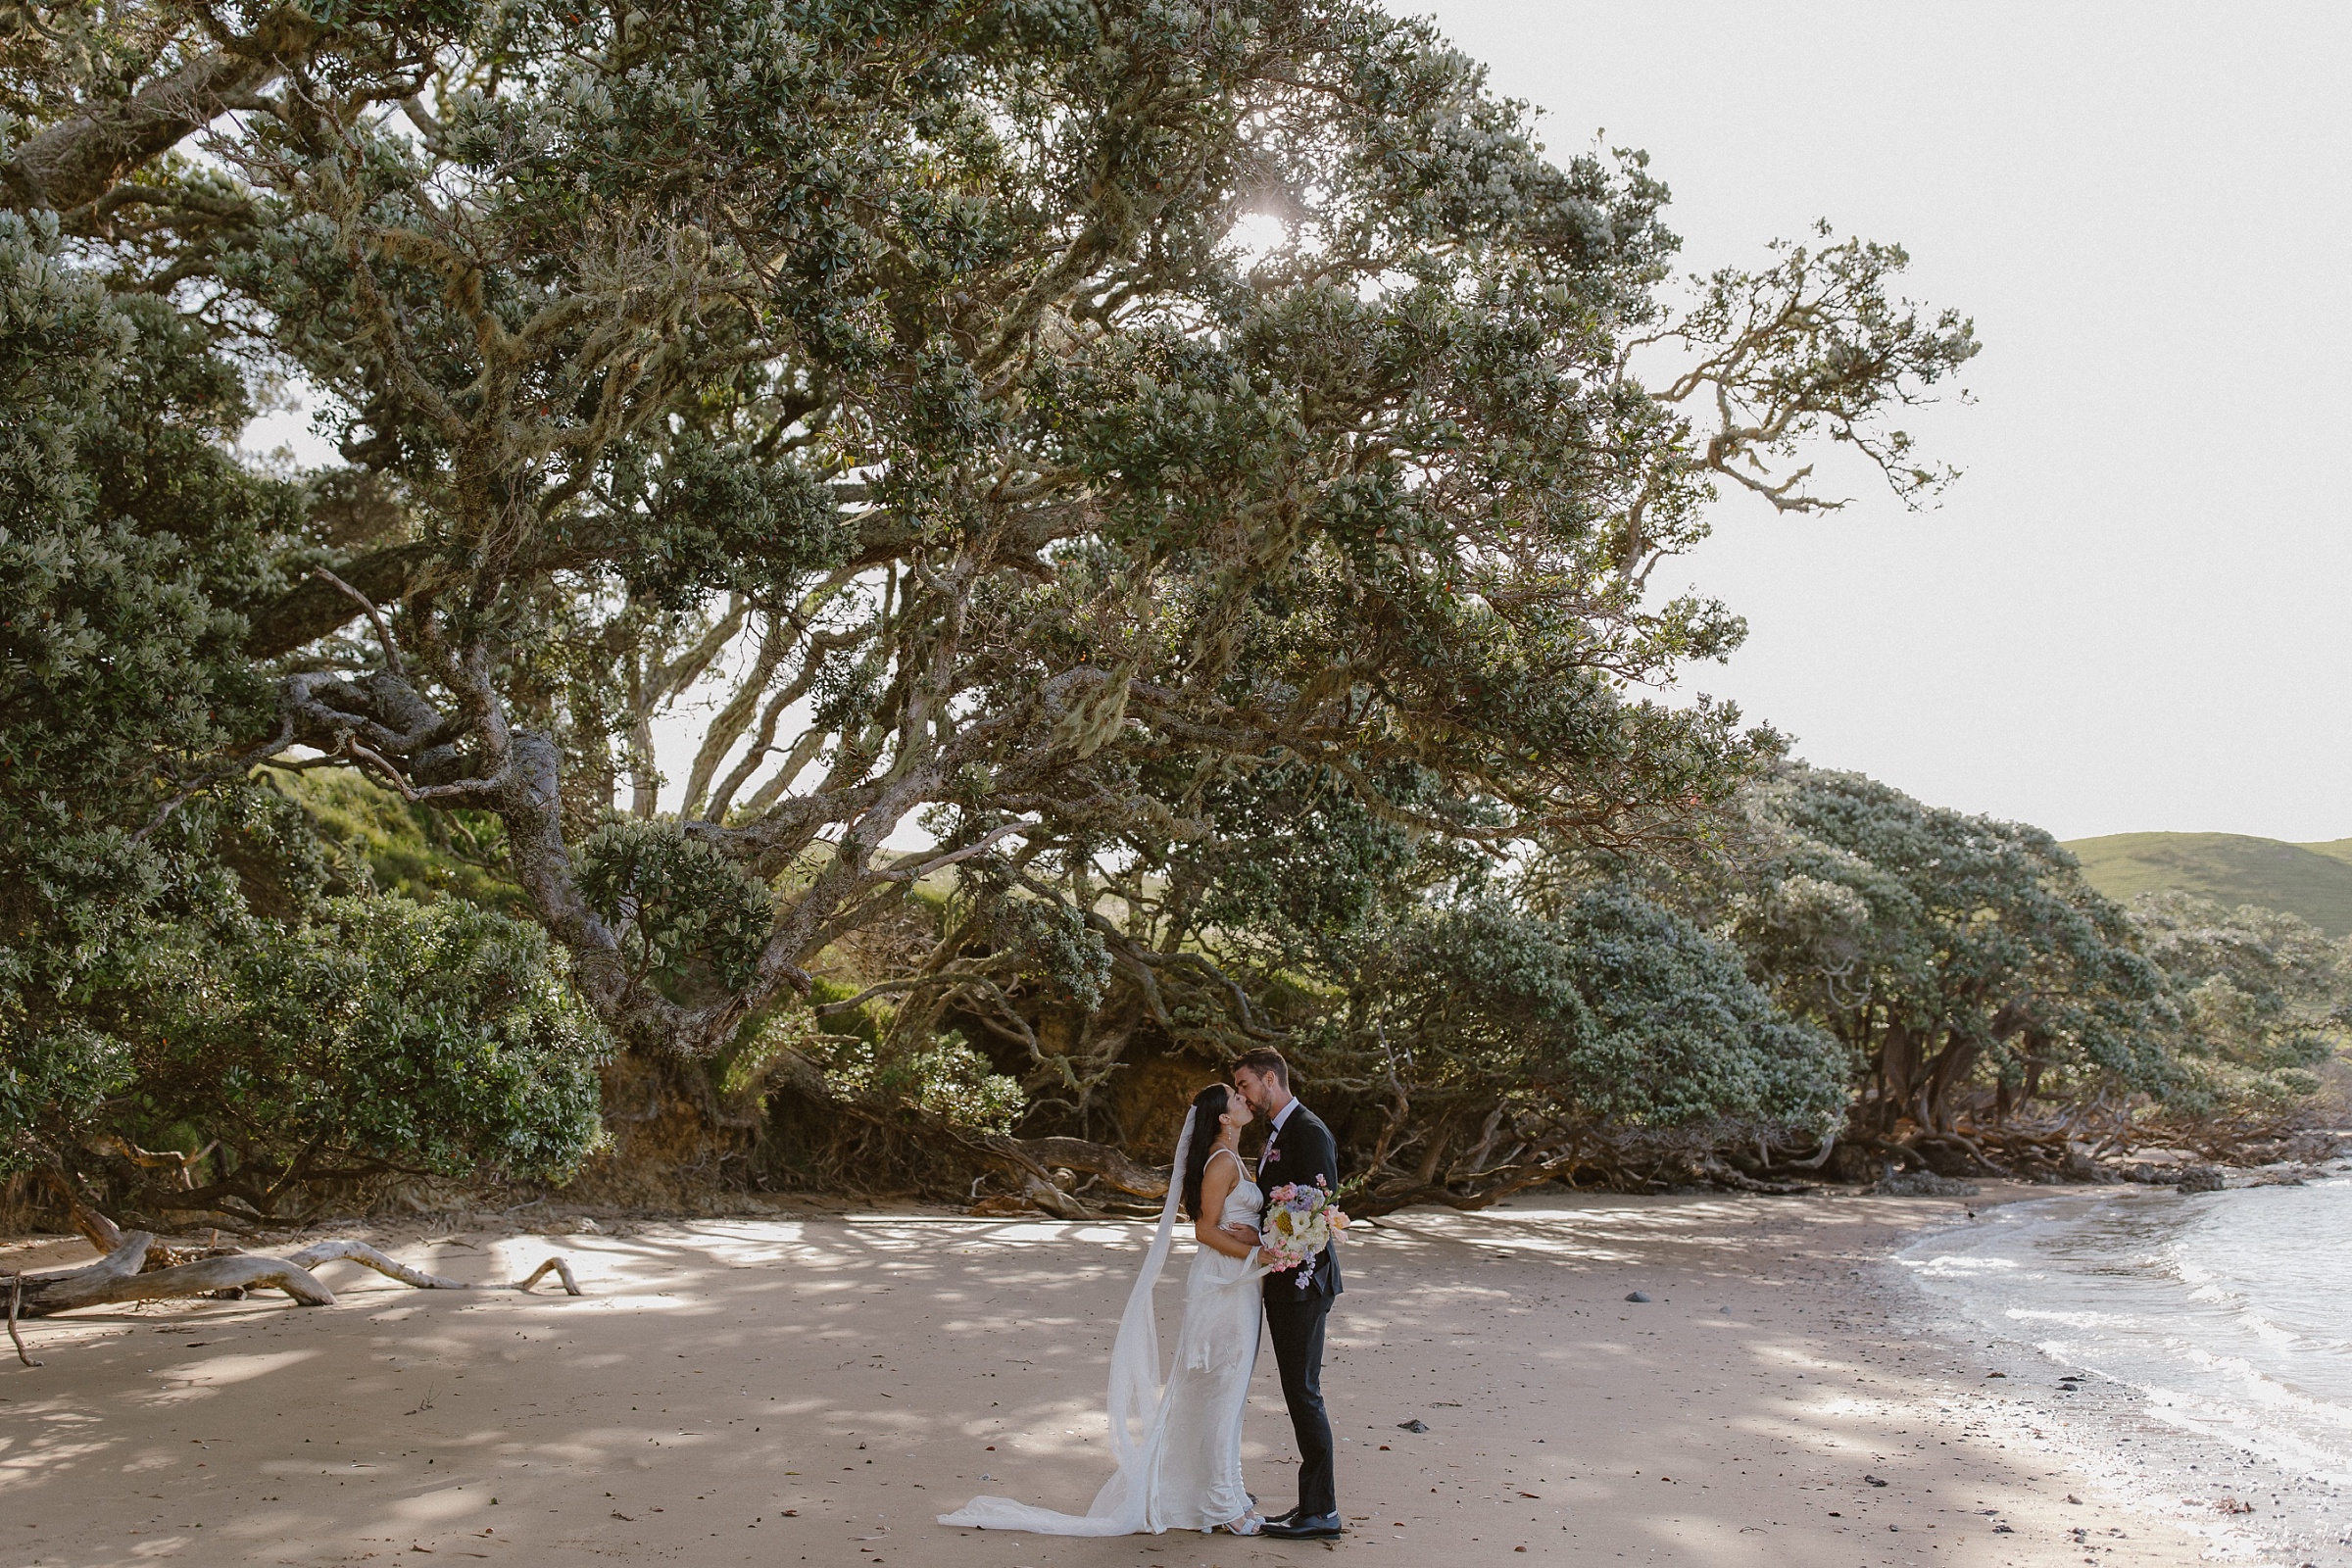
(2129, 614)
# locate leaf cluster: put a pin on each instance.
(2265, 999)
(180, 966)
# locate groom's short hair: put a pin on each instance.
(1265, 1059)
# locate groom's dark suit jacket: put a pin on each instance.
(1300, 1150)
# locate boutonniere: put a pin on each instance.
(1270, 1155)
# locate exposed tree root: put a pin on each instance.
(1042, 1168)
(1077, 1153)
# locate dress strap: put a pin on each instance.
(1237, 1159)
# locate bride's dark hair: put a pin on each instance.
(1208, 1107)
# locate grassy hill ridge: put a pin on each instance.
(2312, 880)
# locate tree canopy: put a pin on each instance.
(1942, 946)
(2265, 999)
(1503, 1048)
(907, 347)
(1198, 468)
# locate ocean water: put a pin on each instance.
(2192, 1351)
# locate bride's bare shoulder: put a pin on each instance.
(1216, 1179)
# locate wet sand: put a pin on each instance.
(817, 1388)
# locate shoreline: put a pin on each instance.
(817, 1387)
(2251, 1491)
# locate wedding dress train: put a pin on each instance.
(1177, 1443)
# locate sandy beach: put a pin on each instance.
(816, 1386)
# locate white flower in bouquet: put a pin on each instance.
(1300, 1221)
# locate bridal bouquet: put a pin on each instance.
(1300, 1222)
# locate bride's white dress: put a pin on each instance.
(1183, 1469)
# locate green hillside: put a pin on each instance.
(2312, 880)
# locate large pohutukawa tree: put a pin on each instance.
(1971, 971)
(901, 361)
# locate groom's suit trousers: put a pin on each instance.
(1297, 1330)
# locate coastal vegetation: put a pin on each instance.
(1143, 516)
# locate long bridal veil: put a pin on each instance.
(1137, 1390)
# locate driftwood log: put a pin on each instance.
(123, 1276)
(137, 1268)
(318, 1252)
(563, 1272)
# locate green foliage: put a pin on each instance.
(1620, 1011)
(702, 519)
(686, 915)
(126, 537)
(170, 969)
(422, 855)
(1682, 1033)
(1065, 950)
(314, 1038)
(116, 659)
(377, 1034)
(2265, 998)
(945, 1077)
(1299, 864)
(63, 1074)
(1944, 948)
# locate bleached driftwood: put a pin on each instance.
(563, 1270)
(318, 1252)
(128, 1273)
(16, 1304)
(118, 1277)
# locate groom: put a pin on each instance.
(1298, 1151)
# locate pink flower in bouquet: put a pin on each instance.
(1300, 1221)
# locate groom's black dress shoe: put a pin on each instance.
(1296, 1526)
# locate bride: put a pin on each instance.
(1178, 1445)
